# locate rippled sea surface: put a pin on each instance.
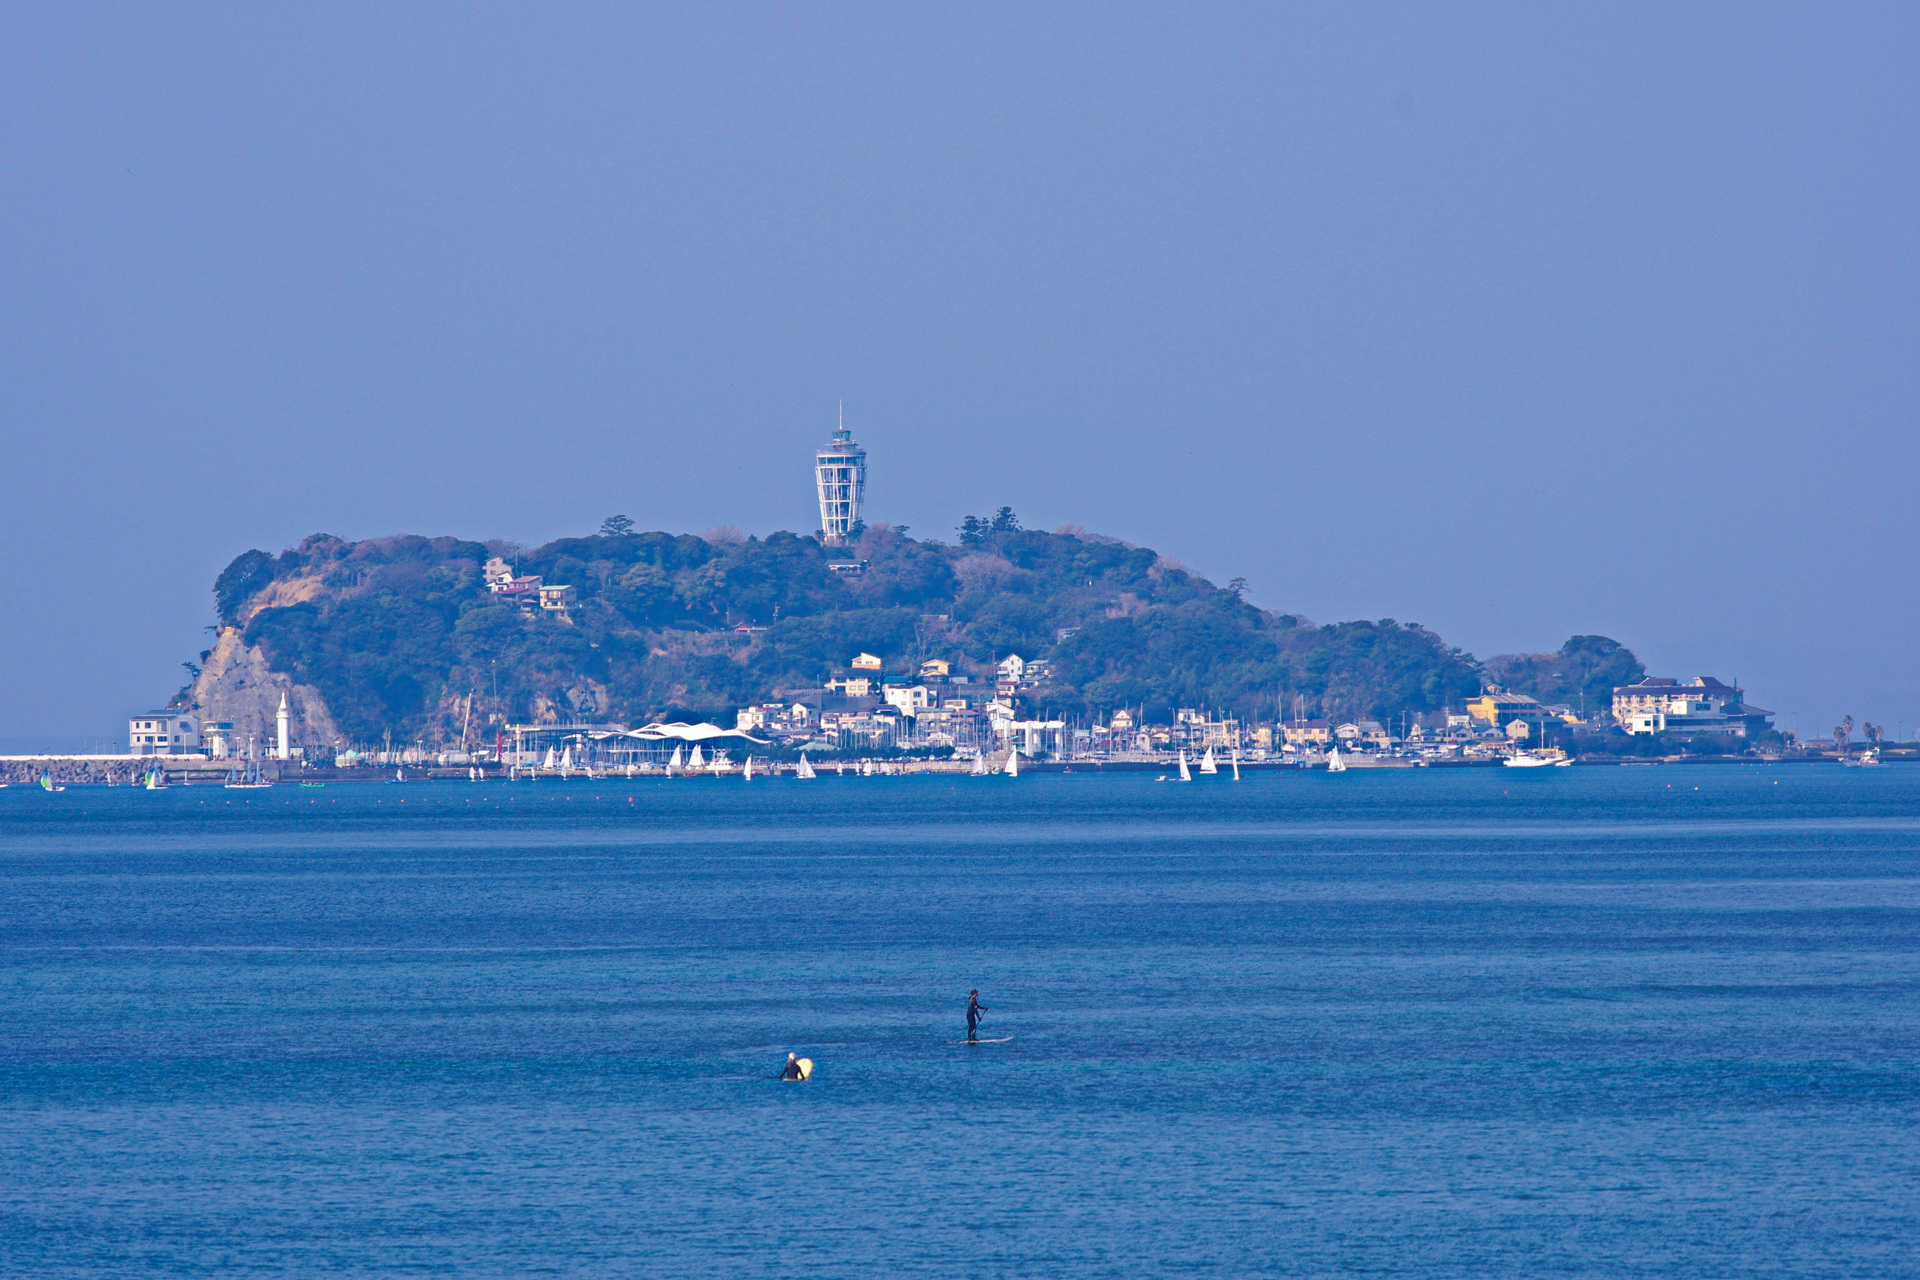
(1590, 1022)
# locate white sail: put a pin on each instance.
(980, 766)
(1013, 762)
(549, 761)
(566, 757)
(806, 767)
(1208, 764)
(695, 759)
(674, 763)
(1236, 766)
(866, 768)
(1334, 763)
(746, 774)
(1186, 775)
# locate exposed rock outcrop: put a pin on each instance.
(236, 684)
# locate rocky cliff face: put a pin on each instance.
(236, 684)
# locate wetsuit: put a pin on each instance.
(791, 1071)
(974, 1010)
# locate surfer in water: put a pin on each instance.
(792, 1070)
(974, 1011)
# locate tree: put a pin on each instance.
(1843, 731)
(615, 527)
(250, 572)
(1004, 521)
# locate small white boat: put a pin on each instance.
(1236, 766)
(674, 763)
(1186, 774)
(979, 769)
(746, 773)
(156, 780)
(805, 769)
(695, 758)
(1208, 764)
(1544, 758)
(1013, 762)
(1334, 763)
(1868, 759)
(550, 762)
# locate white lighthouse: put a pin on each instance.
(840, 470)
(280, 720)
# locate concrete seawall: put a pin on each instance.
(122, 770)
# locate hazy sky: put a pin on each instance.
(1518, 322)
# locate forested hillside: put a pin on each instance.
(396, 634)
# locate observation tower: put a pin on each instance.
(840, 471)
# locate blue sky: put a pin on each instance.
(1519, 322)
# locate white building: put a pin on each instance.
(1013, 667)
(163, 733)
(911, 699)
(1702, 705)
(840, 474)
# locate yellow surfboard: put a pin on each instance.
(805, 1065)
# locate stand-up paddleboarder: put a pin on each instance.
(974, 1012)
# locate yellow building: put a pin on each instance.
(1496, 707)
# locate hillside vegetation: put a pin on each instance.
(397, 634)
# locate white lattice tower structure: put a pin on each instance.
(840, 472)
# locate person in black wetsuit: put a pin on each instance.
(974, 1010)
(792, 1070)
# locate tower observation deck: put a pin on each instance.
(840, 470)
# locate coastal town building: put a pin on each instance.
(1308, 733)
(840, 475)
(1701, 705)
(1496, 707)
(909, 699)
(163, 733)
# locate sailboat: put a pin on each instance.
(674, 763)
(806, 767)
(979, 766)
(156, 780)
(46, 783)
(1334, 763)
(549, 762)
(247, 779)
(1013, 762)
(695, 759)
(1207, 763)
(1186, 774)
(866, 768)
(746, 774)
(566, 759)
(1236, 766)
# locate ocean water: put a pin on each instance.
(1575, 1022)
